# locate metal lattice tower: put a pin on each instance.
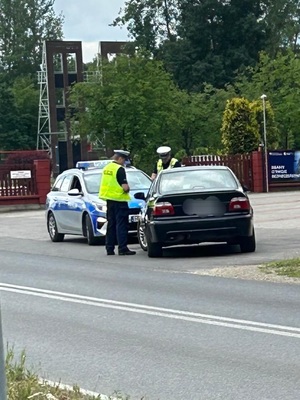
(44, 132)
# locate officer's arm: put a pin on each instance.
(122, 180)
(154, 173)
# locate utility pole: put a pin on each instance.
(3, 395)
(263, 97)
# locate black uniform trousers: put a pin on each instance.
(117, 225)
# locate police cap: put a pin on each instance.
(122, 153)
(163, 150)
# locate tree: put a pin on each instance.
(203, 45)
(24, 25)
(26, 98)
(282, 21)
(217, 48)
(279, 79)
(150, 22)
(135, 105)
(9, 120)
(240, 131)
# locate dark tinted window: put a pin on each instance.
(76, 183)
(197, 180)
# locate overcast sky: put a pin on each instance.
(88, 21)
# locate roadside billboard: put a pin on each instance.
(284, 166)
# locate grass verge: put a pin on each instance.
(22, 384)
(290, 268)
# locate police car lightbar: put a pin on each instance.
(92, 164)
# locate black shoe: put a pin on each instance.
(127, 253)
(110, 253)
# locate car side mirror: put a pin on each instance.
(74, 192)
(140, 196)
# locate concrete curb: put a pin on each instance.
(21, 207)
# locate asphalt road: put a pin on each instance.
(152, 326)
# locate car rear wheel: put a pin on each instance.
(154, 249)
(142, 237)
(91, 238)
(55, 236)
(248, 243)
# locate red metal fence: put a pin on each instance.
(10, 186)
(241, 165)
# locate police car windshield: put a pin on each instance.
(137, 180)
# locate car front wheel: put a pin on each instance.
(55, 236)
(248, 243)
(142, 237)
(91, 238)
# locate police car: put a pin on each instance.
(74, 208)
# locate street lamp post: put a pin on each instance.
(263, 97)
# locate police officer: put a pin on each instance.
(165, 161)
(114, 189)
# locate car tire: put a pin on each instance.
(91, 238)
(154, 249)
(248, 243)
(55, 236)
(142, 237)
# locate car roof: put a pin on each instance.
(194, 168)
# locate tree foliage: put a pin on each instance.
(209, 41)
(282, 21)
(18, 115)
(203, 45)
(240, 131)
(279, 79)
(150, 22)
(140, 108)
(24, 25)
(135, 104)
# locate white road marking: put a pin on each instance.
(233, 323)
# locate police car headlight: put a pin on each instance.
(100, 207)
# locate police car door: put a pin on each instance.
(61, 203)
(76, 205)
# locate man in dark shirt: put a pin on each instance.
(165, 161)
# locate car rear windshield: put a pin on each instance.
(197, 180)
(137, 180)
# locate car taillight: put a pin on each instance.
(161, 209)
(239, 204)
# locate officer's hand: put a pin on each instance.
(126, 187)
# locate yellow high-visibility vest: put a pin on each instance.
(160, 164)
(110, 188)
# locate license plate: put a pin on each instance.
(133, 218)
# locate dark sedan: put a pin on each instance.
(191, 205)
